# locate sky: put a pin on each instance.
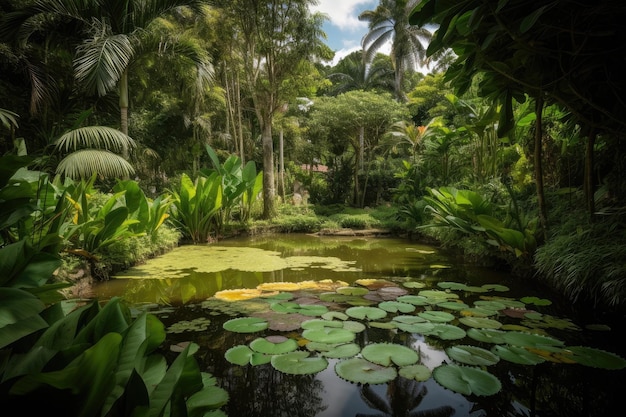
(344, 30)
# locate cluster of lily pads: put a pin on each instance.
(314, 322)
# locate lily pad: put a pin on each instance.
(263, 345)
(388, 354)
(352, 290)
(353, 326)
(335, 351)
(496, 287)
(536, 301)
(417, 372)
(331, 315)
(596, 358)
(329, 335)
(386, 325)
(282, 322)
(245, 325)
(478, 312)
(447, 332)
(243, 355)
(490, 305)
(487, 335)
(413, 284)
(517, 354)
(299, 363)
(362, 371)
(366, 313)
(472, 355)
(198, 325)
(413, 324)
(453, 305)
(480, 322)
(305, 309)
(436, 316)
(531, 340)
(396, 306)
(439, 295)
(320, 323)
(451, 285)
(467, 380)
(416, 300)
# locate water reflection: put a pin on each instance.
(544, 390)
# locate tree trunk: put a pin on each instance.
(281, 164)
(268, 170)
(543, 216)
(124, 105)
(240, 121)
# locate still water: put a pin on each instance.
(180, 287)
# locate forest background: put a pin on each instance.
(127, 128)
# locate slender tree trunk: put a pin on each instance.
(239, 120)
(268, 169)
(543, 215)
(361, 146)
(124, 105)
(281, 164)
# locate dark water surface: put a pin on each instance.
(177, 285)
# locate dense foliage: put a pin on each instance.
(122, 133)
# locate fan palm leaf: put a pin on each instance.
(99, 137)
(84, 163)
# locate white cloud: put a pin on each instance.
(343, 14)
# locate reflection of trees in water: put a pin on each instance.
(263, 391)
(403, 398)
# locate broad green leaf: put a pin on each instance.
(299, 363)
(467, 380)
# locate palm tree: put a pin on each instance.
(94, 149)
(352, 73)
(113, 34)
(389, 22)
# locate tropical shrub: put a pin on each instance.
(241, 184)
(468, 212)
(196, 206)
(65, 357)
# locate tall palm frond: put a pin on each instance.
(101, 61)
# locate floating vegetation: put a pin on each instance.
(417, 372)
(243, 355)
(245, 325)
(241, 294)
(329, 330)
(175, 263)
(472, 355)
(306, 309)
(467, 380)
(396, 307)
(328, 335)
(362, 371)
(269, 347)
(335, 350)
(195, 325)
(388, 354)
(366, 313)
(299, 363)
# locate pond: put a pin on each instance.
(302, 325)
